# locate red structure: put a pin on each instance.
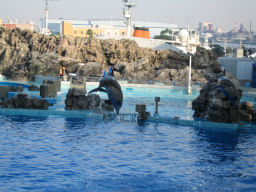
(9, 26)
(141, 32)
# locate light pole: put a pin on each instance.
(189, 76)
(190, 63)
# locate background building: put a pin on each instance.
(97, 30)
(241, 68)
(12, 25)
(104, 27)
(206, 27)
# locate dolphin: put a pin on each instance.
(110, 86)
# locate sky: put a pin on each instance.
(222, 13)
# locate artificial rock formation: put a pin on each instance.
(33, 88)
(23, 101)
(24, 54)
(247, 112)
(219, 101)
(76, 99)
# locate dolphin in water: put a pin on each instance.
(110, 86)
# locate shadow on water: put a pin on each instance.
(75, 123)
(25, 119)
(72, 123)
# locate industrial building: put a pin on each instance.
(102, 27)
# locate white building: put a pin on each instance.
(241, 68)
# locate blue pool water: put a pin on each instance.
(73, 154)
(60, 153)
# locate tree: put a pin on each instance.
(165, 37)
(165, 34)
(176, 33)
(229, 50)
(166, 31)
(89, 33)
(218, 50)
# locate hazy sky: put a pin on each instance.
(222, 13)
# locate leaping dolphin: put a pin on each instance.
(110, 86)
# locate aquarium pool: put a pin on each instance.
(41, 152)
(87, 154)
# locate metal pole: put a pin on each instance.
(46, 16)
(189, 76)
(129, 24)
(156, 114)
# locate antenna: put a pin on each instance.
(127, 15)
(46, 15)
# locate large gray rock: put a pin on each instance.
(23, 101)
(33, 88)
(106, 105)
(25, 54)
(77, 100)
(87, 69)
(93, 101)
(219, 100)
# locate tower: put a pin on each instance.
(46, 15)
(127, 15)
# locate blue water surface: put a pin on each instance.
(74, 154)
(58, 153)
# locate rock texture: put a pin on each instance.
(24, 54)
(76, 99)
(219, 101)
(15, 88)
(23, 101)
(33, 88)
(247, 112)
(206, 59)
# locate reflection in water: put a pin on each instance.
(75, 123)
(189, 104)
(218, 153)
(82, 129)
(225, 140)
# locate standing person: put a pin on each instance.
(61, 72)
